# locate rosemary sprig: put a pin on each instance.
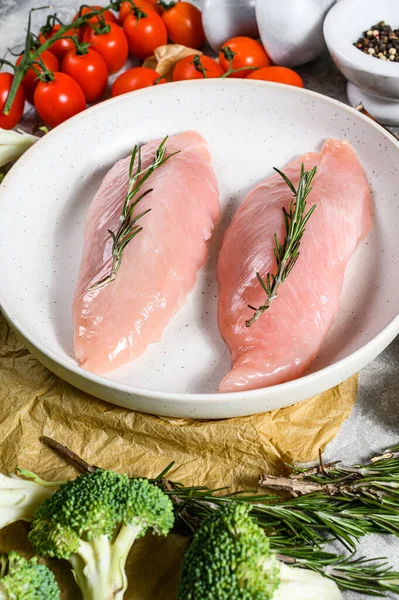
(129, 228)
(345, 514)
(373, 577)
(299, 527)
(287, 253)
(344, 503)
(348, 502)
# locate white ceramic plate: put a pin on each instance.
(251, 127)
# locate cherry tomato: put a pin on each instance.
(112, 46)
(89, 71)
(194, 67)
(184, 24)
(126, 8)
(30, 80)
(59, 99)
(17, 108)
(144, 33)
(278, 74)
(61, 46)
(135, 79)
(247, 53)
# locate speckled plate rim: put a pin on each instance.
(279, 395)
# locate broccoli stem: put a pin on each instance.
(122, 544)
(302, 584)
(3, 594)
(91, 565)
(99, 565)
(19, 497)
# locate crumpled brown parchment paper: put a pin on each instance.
(233, 452)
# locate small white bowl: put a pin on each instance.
(372, 81)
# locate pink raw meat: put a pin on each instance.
(115, 324)
(280, 346)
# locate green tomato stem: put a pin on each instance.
(31, 54)
(166, 5)
(230, 71)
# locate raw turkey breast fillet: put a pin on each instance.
(281, 345)
(114, 324)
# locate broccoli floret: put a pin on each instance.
(22, 579)
(93, 522)
(20, 496)
(230, 559)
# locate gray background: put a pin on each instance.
(374, 423)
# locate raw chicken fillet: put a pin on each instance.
(115, 323)
(281, 345)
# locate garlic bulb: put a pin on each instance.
(13, 144)
(223, 19)
(302, 584)
(292, 30)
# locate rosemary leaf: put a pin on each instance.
(330, 502)
(287, 253)
(128, 228)
(372, 577)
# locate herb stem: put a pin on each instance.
(129, 228)
(287, 253)
(68, 454)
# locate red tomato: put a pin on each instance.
(144, 5)
(135, 79)
(89, 71)
(58, 100)
(196, 67)
(184, 24)
(61, 46)
(17, 108)
(278, 74)
(144, 33)
(107, 16)
(247, 53)
(30, 80)
(112, 46)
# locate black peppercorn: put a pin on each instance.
(380, 41)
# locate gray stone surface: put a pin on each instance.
(374, 423)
